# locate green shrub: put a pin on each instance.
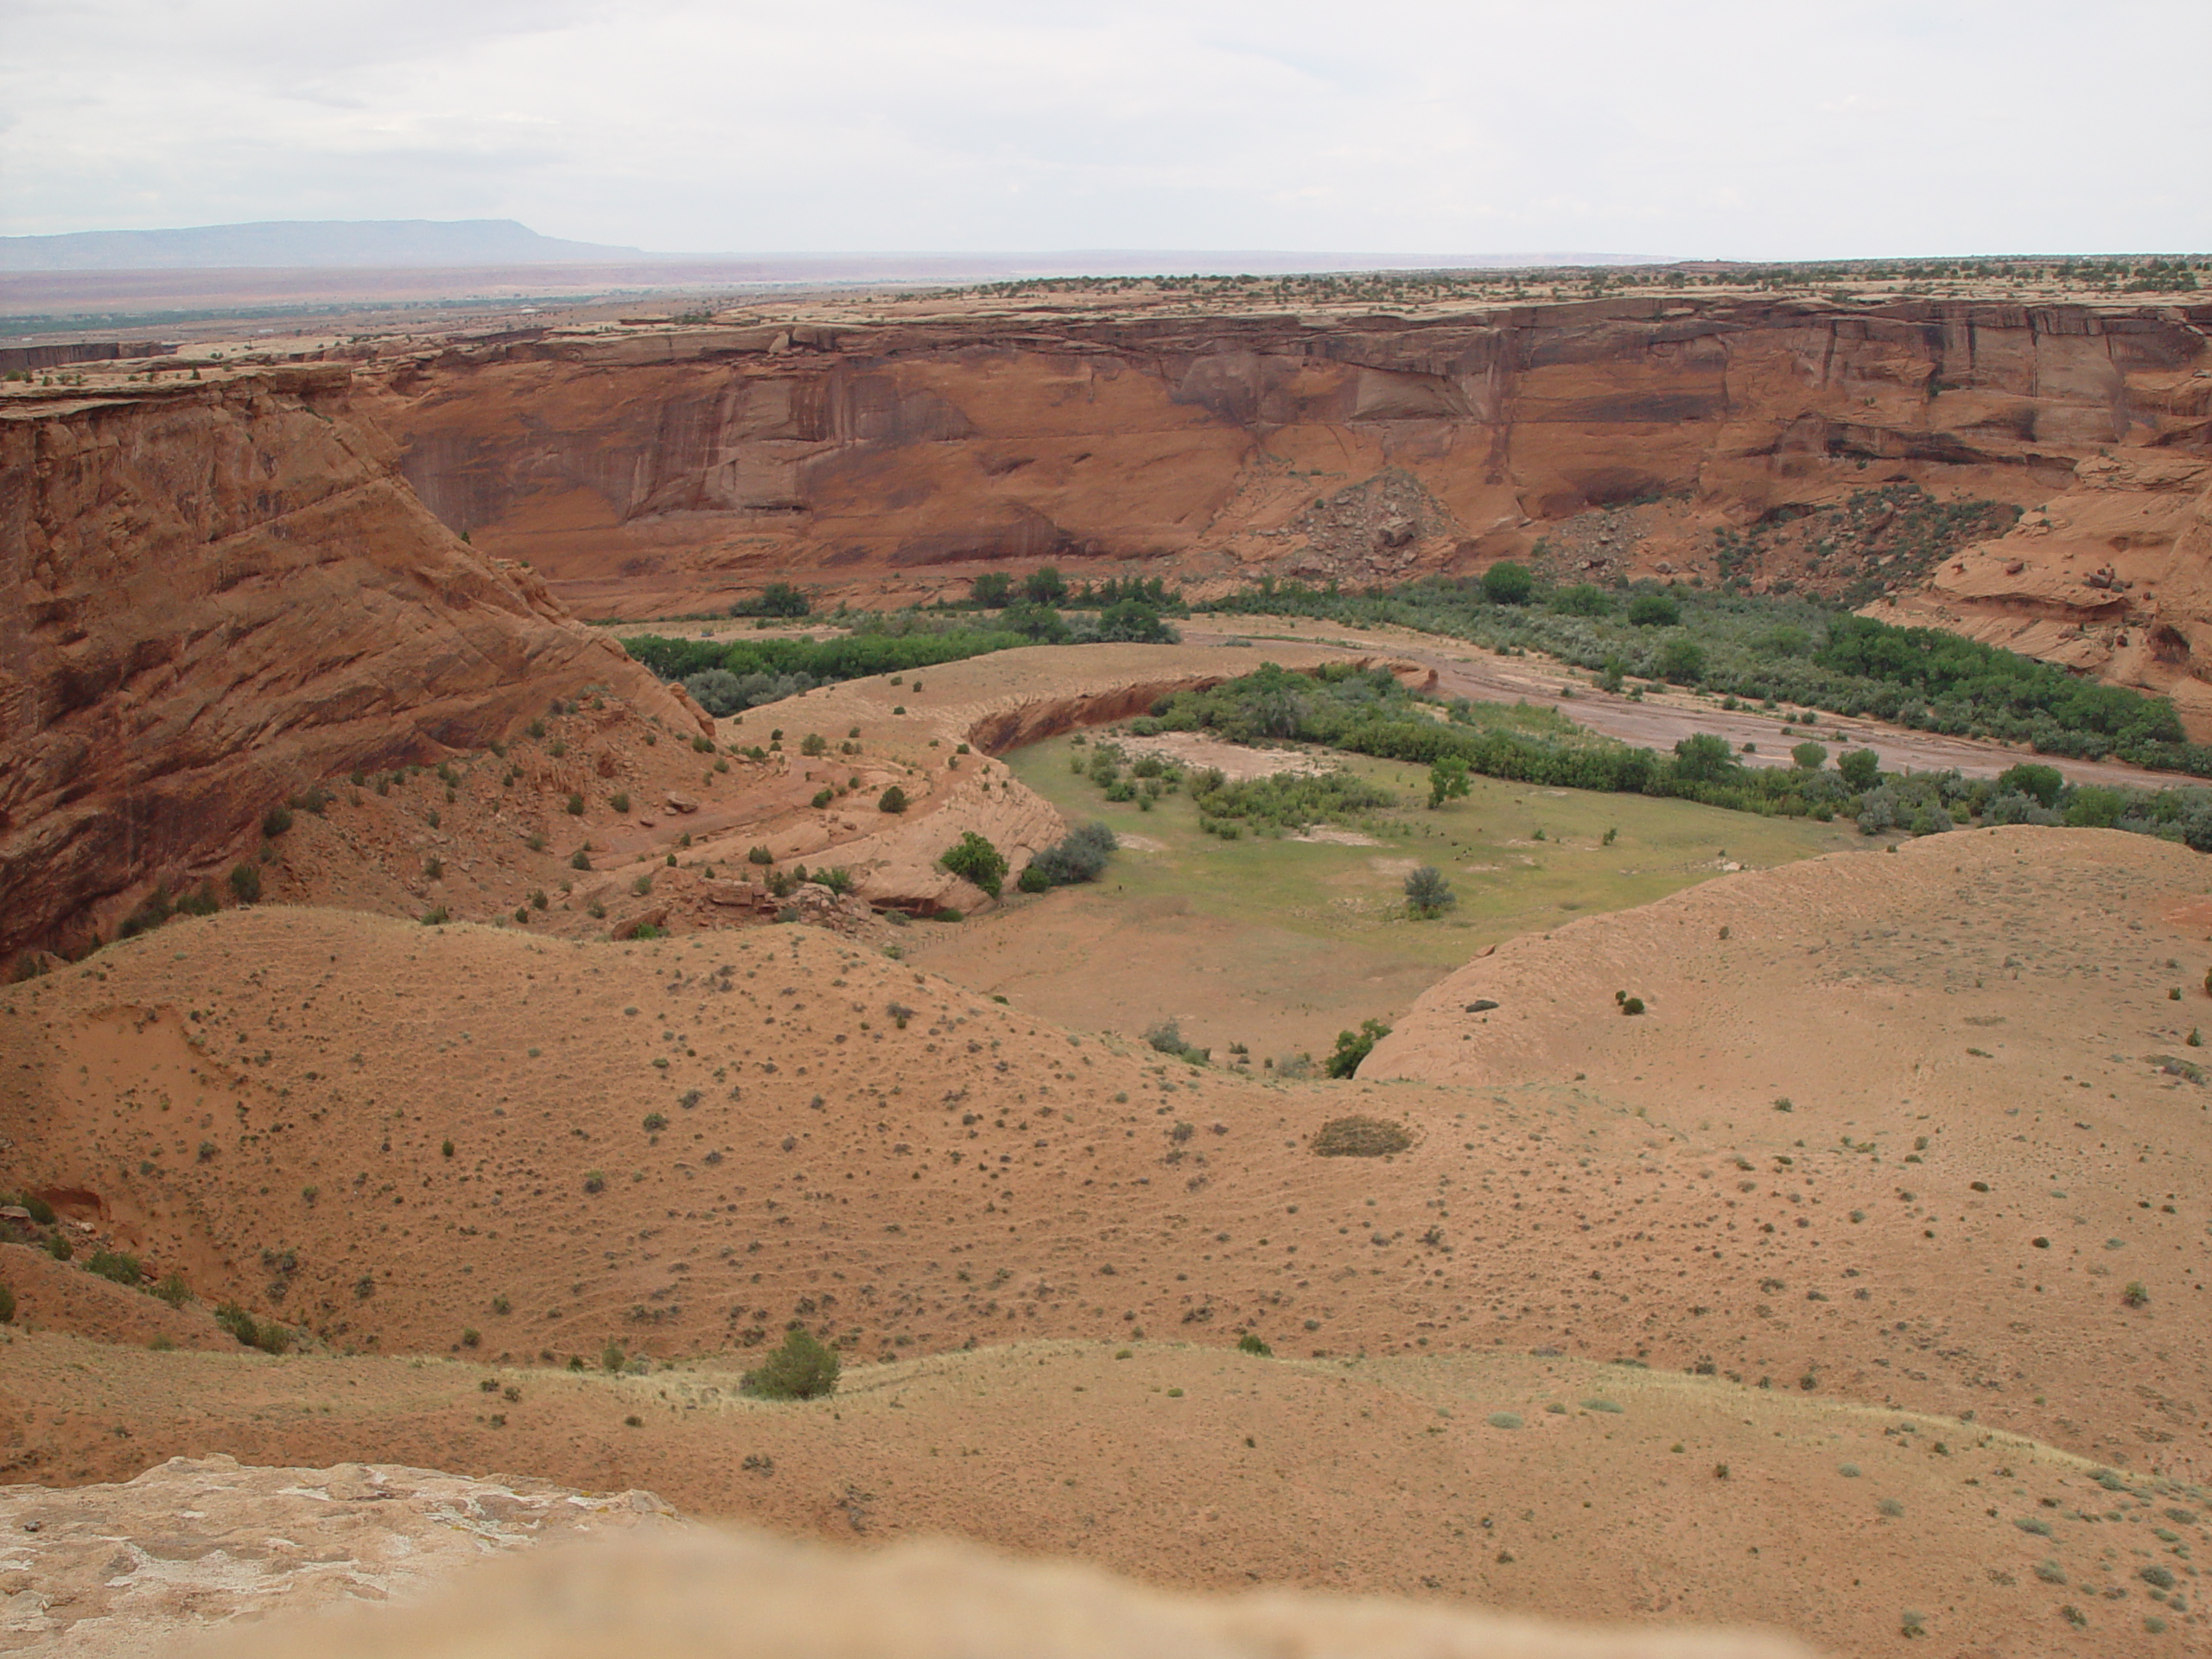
(1654, 611)
(246, 883)
(266, 1334)
(576, 805)
(620, 800)
(276, 821)
(824, 797)
(1428, 894)
(1353, 1046)
(580, 859)
(759, 855)
(1508, 583)
(7, 1306)
(803, 1369)
(1252, 1343)
(1861, 768)
(893, 799)
(120, 1266)
(977, 862)
(1166, 1037)
(1081, 857)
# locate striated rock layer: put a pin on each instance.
(212, 593)
(669, 470)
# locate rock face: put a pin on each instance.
(212, 593)
(670, 470)
(136, 1569)
(713, 1596)
(2111, 575)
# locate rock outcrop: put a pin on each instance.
(138, 1569)
(2110, 575)
(212, 593)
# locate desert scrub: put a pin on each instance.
(266, 1334)
(803, 1369)
(120, 1266)
(1360, 1136)
(1428, 894)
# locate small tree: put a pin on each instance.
(777, 599)
(803, 1369)
(1681, 662)
(1428, 894)
(1654, 611)
(893, 799)
(1862, 770)
(1508, 583)
(1353, 1046)
(1702, 758)
(1809, 757)
(976, 861)
(2030, 778)
(991, 589)
(1447, 780)
(1043, 585)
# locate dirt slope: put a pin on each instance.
(492, 829)
(1447, 1480)
(681, 1145)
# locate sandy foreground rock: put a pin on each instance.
(116, 1571)
(119, 1571)
(706, 1595)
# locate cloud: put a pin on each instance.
(1718, 128)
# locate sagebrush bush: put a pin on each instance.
(120, 1266)
(803, 1369)
(1360, 1136)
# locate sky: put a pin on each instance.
(1690, 129)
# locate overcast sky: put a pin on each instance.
(1695, 129)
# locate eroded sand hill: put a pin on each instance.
(469, 1142)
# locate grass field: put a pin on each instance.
(1278, 944)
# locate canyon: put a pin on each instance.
(482, 1118)
(891, 452)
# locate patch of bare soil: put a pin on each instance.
(1235, 761)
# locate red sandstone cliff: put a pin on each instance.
(672, 469)
(212, 593)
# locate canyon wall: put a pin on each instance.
(672, 469)
(213, 593)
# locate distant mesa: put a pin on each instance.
(429, 243)
(306, 243)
